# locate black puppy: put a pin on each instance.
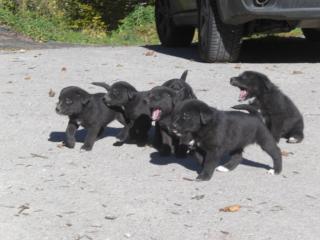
(223, 132)
(86, 110)
(281, 116)
(123, 98)
(161, 101)
(184, 91)
(178, 84)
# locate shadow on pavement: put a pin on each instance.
(81, 134)
(191, 164)
(262, 50)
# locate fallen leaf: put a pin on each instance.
(119, 65)
(237, 66)
(51, 93)
(149, 53)
(63, 69)
(232, 208)
(286, 153)
(27, 78)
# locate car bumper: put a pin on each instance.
(242, 11)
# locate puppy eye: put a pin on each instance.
(68, 101)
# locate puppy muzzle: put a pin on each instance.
(233, 80)
(58, 108)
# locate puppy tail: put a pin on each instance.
(252, 110)
(101, 84)
(184, 76)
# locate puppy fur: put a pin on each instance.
(161, 101)
(178, 84)
(184, 91)
(281, 116)
(223, 132)
(123, 98)
(84, 109)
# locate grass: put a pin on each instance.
(137, 28)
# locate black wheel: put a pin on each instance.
(312, 34)
(218, 42)
(169, 34)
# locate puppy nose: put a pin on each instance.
(57, 109)
(232, 80)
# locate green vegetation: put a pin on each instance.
(121, 22)
(75, 21)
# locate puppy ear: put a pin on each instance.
(102, 84)
(184, 76)
(85, 100)
(267, 83)
(131, 94)
(205, 116)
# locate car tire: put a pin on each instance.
(311, 34)
(169, 34)
(218, 42)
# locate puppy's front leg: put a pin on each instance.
(90, 138)
(166, 148)
(123, 135)
(211, 161)
(70, 134)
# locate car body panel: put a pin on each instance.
(243, 11)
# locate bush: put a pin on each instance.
(95, 21)
(137, 27)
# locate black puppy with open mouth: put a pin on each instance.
(162, 101)
(123, 98)
(223, 132)
(281, 116)
(85, 110)
(183, 91)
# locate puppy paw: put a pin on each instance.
(69, 144)
(165, 151)
(85, 148)
(222, 169)
(292, 140)
(271, 171)
(118, 144)
(203, 177)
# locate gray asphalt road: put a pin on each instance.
(48, 192)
